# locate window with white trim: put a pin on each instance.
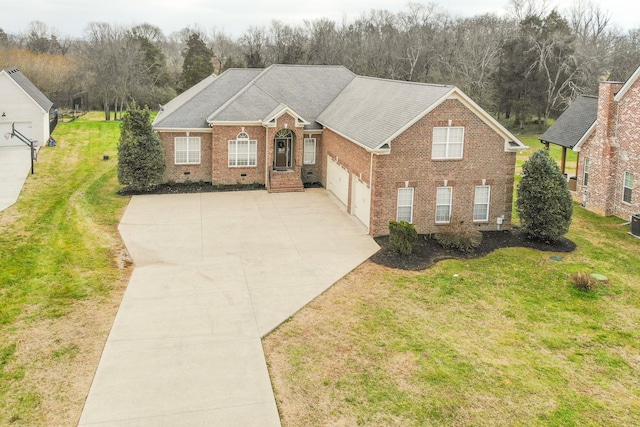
(405, 204)
(481, 203)
(587, 167)
(447, 142)
(309, 151)
(187, 150)
(627, 190)
(243, 151)
(444, 197)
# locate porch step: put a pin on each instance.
(285, 182)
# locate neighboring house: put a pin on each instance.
(609, 150)
(22, 104)
(388, 150)
(572, 126)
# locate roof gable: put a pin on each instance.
(371, 111)
(307, 90)
(28, 87)
(625, 88)
(190, 109)
(574, 123)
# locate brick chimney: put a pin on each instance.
(607, 110)
(605, 152)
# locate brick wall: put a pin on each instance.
(181, 173)
(410, 163)
(286, 121)
(313, 173)
(628, 139)
(602, 150)
(221, 172)
(353, 157)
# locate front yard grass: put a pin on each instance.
(501, 340)
(60, 284)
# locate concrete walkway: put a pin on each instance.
(214, 273)
(15, 166)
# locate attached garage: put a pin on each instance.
(338, 180)
(361, 200)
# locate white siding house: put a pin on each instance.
(22, 104)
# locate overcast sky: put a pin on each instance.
(69, 17)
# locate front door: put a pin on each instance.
(283, 144)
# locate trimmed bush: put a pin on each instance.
(459, 236)
(141, 160)
(402, 237)
(544, 202)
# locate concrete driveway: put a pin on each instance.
(213, 274)
(15, 166)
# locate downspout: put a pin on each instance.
(266, 159)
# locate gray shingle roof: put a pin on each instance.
(368, 111)
(574, 123)
(307, 90)
(371, 111)
(29, 88)
(190, 109)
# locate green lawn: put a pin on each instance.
(502, 340)
(59, 246)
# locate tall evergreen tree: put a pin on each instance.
(544, 201)
(197, 63)
(141, 160)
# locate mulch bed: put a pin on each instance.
(428, 251)
(194, 187)
(199, 187)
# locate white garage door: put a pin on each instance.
(24, 128)
(361, 200)
(337, 180)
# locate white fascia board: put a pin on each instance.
(200, 130)
(292, 113)
(488, 120)
(416, 118)
(623, 90)
(586, 136)
(370, 150)
(230, 123)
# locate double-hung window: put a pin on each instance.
(481, 203)
(187, 150)
(444, 197)
(309, 151)
(627, 190)
(405, 204)
(243, 151)
(587, 166)
(447, 142)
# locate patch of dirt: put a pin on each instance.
(61, 355)
(428, 251)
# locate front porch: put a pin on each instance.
(284, 155)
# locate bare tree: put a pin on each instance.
(226, 51)
(522, 9)
(254, 43)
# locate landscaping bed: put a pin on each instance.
(428, 251)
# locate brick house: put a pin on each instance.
(609, 149)
(388, 150)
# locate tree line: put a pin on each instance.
(526, 65)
